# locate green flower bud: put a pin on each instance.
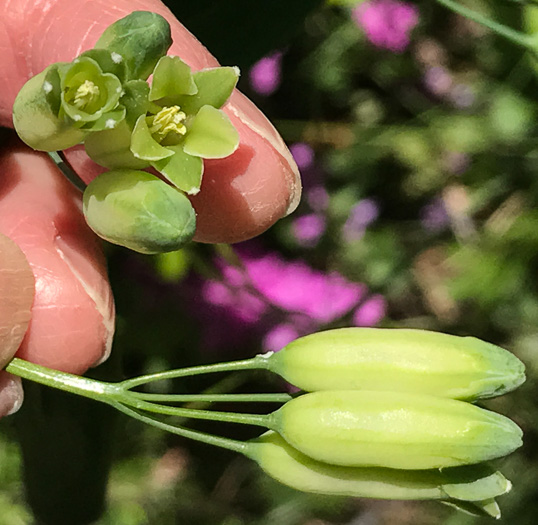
(287, 465)
(139, 211)
(398, 360)
(140, 39)
(393, 429)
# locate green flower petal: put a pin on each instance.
(108, 61)
(108, 120)
(141, 39)
(214, 88)
(35, 114)
(144, 146)
(184, 171)
(172, 77)
(135, 100)
(139, 211)
(112, 148)
(87, 92)
(211, 135)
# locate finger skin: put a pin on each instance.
(242, 195)
(72, 321)
(16, 297)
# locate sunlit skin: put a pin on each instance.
(241, 195)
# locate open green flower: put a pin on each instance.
(59, 107)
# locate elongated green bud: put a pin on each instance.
(138, 210)
(398, 360)
(287, 465)
(393, 429)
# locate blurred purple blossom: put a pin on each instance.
(303, 155)
(265, 75)
(364, 213)
(387, 23)
(279, 336)
(317, 197)
(438, 81)
(462, 96)
(308, 229)
(370, 312)
(434, 216)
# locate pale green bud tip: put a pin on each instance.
(139, 211)
(399, 360)
(290, 467)
(394, 430)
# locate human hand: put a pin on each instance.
(241, 196)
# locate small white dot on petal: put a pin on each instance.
(76, 117)
(110, 123)
(116, 57)
(47, 86)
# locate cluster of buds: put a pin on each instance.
(388, 414)
(103, 99)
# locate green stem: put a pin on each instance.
(254, 363)
(260, 420)
(212, 398)
(514, 36)
(83, 386)
(229, 444)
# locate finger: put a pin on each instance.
(242, 195)
(72, 314)
(16, 297)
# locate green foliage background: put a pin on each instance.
(377, 132)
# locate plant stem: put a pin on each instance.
(83, 386)
(514, 36)
(209, 439)
(212, 398)
(254, 363)
(260, 420)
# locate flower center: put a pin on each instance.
(169, 120)
(85, 94)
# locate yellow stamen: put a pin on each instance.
(86, 93)
(169, 120)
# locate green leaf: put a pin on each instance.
(112, 148)
(211, 135)
(184, 171)
(141, 39)
(171, 77)
(488, 508)
(214, 88)
(35, 114)
(139, 211)
(135, 100)
(144, 146)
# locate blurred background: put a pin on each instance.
(414, 130)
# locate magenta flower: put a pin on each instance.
(308, 229)
(265, 75)
(387, 23)
(370, 312)
(279, 336)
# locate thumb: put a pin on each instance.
(241, 195)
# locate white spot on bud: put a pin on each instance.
(110, 123)
(76, 117)
(47, 86)
(237, 71)
(116, 57)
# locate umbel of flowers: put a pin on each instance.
(103, 99)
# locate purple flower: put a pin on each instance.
(265, 75)
(434, 216)
(370, 312)
(438, 81)
(387, 23)
(308, 229)
(317, 198)
(303, 154)
(279, 336)
(364, 213)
